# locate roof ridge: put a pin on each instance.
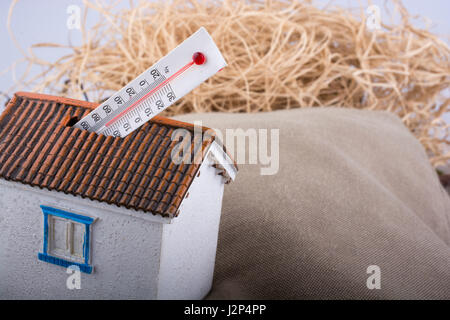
(92, 105)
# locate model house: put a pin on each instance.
(133, 221)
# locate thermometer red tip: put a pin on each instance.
(199, 58)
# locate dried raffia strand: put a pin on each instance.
(280, 55)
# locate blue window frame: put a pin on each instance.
(66, 239)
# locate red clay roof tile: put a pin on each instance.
(39, 149)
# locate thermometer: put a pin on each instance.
(193, 61)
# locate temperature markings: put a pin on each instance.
(119, 103)
(190, 63)
(141, 112)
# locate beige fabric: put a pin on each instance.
(354, 189)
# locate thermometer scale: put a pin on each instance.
(173, 76)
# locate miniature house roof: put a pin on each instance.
(39, 148)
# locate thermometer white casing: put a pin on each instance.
(115, 117)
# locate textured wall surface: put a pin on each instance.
(125, 249)
(189, 243)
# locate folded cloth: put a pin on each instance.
(354, 205)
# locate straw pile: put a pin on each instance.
(280, 55)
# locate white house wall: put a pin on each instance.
(189, 242)
(125, 250)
